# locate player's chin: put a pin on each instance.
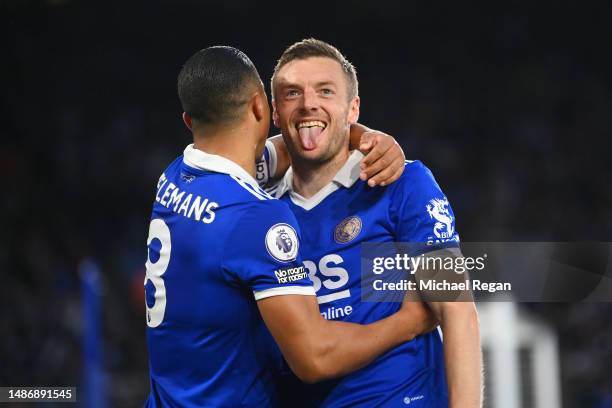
(316, 155)
(311, 150)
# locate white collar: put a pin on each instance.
(345, 177)
(199, 159)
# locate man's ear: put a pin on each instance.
(257, 105)
(353, 115)
(275, 117)
(187, 120)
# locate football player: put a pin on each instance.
(316, 100)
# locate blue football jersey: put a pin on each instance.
(334, 222)
(217, 243)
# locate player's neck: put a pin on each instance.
(231, 144)
(309, 178)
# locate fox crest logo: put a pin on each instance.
(282, 242)
(438, 209)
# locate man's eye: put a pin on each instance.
(327, 91)
(292, 92)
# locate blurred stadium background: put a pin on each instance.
(509, 105)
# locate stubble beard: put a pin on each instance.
(337, 138)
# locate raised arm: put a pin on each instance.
(384, 158)
(283, 160)
(317, 349)
(383, 164)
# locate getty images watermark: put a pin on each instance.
(500, 271)
(432, 265)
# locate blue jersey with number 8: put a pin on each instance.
(217, 243)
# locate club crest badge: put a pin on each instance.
(282, 242)
(348, 229)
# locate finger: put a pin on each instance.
(384, 140)
(375, 168)
(378, 151)
(381, 143)
(392, 173)
(386, 176)
(366, 142)
(384, 161)
(397, 173)
(401, 151)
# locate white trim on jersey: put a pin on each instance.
(345, 177)
(310, 203)
(285, 290)
(272, 190)
(259, 193)
(349, 173)
(201, 160)
(272, 162)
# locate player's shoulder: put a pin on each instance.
(174, 166)
(257, 219)
(415, 169)
(234, 189)
(230, 191)
(271, 209)
(416, 176)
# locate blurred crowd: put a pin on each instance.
(509, 108)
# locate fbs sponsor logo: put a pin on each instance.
(282, 242)
(332, 313)
(288, 275)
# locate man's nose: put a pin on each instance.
(309, 100)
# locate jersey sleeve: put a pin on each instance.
(421, 211)
(266, 166)
(264, 252)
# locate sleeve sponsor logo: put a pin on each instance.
(438, 209)
(288, 275)
(282, 242)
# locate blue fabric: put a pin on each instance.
(211, 347)
(413, 209)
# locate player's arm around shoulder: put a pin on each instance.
(382, 165)
(384, 159)
(265, 257)
(317, 349)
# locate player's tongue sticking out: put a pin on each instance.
(309, 136)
